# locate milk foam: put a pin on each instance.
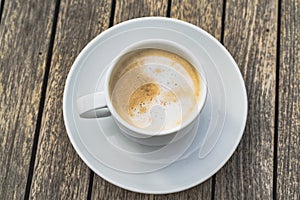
(155, 90)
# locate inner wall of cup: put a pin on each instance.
(169, 47)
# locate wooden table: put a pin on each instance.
(39, 41)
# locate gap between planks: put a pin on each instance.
(275, 147)
(213, 184)
(168, 13)
(1, 8)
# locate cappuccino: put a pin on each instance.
(154, 89)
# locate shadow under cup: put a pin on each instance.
(156, 90)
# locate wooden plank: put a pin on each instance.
(130, 9)
(24, 39)
(125, 10)
(205, 14)
(288, 179)
(250, 35)
(59, 172)
(208, 16)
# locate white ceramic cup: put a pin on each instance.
(99, 104)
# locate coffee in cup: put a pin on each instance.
(154, 89)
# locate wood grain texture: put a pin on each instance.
(250, 35)
(288, 174)
(139, 8)
(24, 38)
(208, 16)
(205, 14)
(59, 172)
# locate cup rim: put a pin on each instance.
(140, 131)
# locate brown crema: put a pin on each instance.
(132, 60)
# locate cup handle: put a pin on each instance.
(93, 106)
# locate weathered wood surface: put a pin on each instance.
(59, 172)
(250, 35)
(288, 176)
(25, 31)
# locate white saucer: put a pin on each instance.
(207, 154)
